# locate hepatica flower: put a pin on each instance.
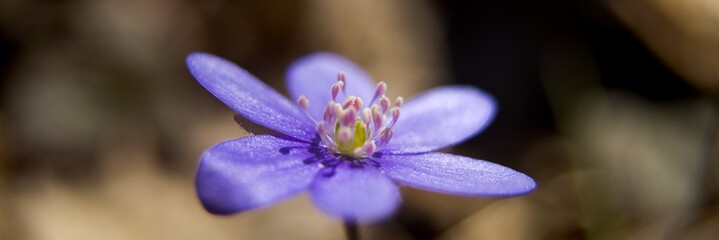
(343, 141)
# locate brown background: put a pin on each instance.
(609, 105)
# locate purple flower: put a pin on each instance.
(343, 141)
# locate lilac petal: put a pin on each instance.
(251, 172)
(313, 76)
(355, 192)
(248, 96)
(454, 174)
(441, 117)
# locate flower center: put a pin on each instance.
(351, 130)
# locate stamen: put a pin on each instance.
(399, 102)
(344, 134)
(350, 101)
(320, 127)
(384, 103)
(341, 77)
(322, 131)
(380, 90)
(367, 116)
(331, 112)
(336, 88)
(365, 150)
(303, 102)
(395, 111)
(358, 103)
(377, 119)
(369, 147)
(359, 152)
(384, 137)
(349, 116)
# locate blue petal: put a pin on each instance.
(454, 174)
(356, 192)
(441, 117)
(313, 76)
(248, 96)
(251, 172)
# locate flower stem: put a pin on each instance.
(351, 230)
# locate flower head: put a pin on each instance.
(350, 130)
(343, 140)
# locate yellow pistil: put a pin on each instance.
(359, 138)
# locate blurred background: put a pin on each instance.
(611, 106)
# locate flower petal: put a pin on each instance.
(251, 172)
(313, 76)
(248, 96)
(352, 191)
(454, 174)
(441, 117)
